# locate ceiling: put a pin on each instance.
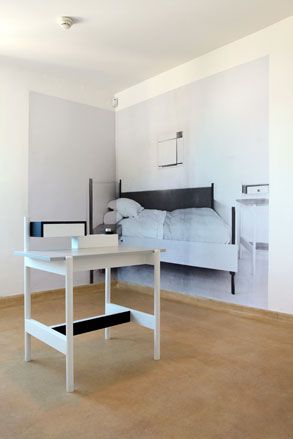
(122, 42)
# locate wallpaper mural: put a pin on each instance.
(194, 163)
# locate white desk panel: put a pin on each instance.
(53, 255)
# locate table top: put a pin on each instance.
(57, 255)
(253, 201)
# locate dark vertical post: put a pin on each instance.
(232, 282)
(212, 196)
(233, 241)
(91, 227)
(120, 188)
(90, 206)
(233, 218)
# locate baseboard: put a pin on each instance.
(244, 311)
(17, 299)
(240, 310)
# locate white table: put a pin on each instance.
(251, 205)
(67, 262)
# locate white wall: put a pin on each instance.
(15, 84)
(13, 178)
(69, 143)
(276, 42)
(224, 119)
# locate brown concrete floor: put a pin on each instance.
(220, 376)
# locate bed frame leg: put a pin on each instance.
(232, 273)
(91, 228)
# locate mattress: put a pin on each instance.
(194, 224)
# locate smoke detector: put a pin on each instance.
(65, 22)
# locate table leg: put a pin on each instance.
(157, 304)
(107, 296)
(69, 324)
(27, 313)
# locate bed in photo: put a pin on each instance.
(183, 221)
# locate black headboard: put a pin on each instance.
(171, 199)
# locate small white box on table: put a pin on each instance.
(93, 241)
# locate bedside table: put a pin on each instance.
(115, 228)
(250, 205)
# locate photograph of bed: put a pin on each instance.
(182, 221)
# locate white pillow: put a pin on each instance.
(112, 217)
(126, 206)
